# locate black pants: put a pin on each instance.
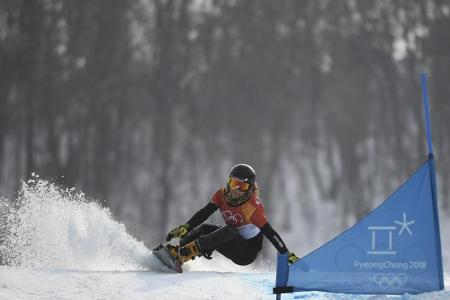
(227, 241)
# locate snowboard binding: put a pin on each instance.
(168, 255)
(173, 256)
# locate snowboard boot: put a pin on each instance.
(173, 249)
(189, 251)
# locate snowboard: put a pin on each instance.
(163, 254)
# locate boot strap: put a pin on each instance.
(189, 251)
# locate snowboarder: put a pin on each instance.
(241, 239)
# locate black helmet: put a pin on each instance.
(243, 172)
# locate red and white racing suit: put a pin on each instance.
(242, 237)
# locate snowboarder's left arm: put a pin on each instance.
(198, 218)
(277, 241)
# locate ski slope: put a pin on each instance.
(61, 246)
(37, 283)
(23, 283)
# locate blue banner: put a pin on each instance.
(393, 250)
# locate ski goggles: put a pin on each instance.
(235, 183)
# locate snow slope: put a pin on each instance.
(60, 246)
(22, 283)
(31, 283)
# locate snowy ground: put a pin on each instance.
(21, 283)
(25, 283)
(60, 246)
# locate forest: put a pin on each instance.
(145, 105)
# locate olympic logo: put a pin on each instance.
(390, 280)
(233, 219)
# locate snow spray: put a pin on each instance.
(54, 228)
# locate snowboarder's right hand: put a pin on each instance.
(178, 232)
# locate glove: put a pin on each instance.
(178, 232)
(292, 258)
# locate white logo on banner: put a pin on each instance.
(405, 225)
(390, 280)
(388, 233)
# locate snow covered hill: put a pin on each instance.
(60, 246)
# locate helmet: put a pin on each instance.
(246, 174)
(243, 172)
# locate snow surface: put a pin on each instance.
(37, 283)
(61, 246)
